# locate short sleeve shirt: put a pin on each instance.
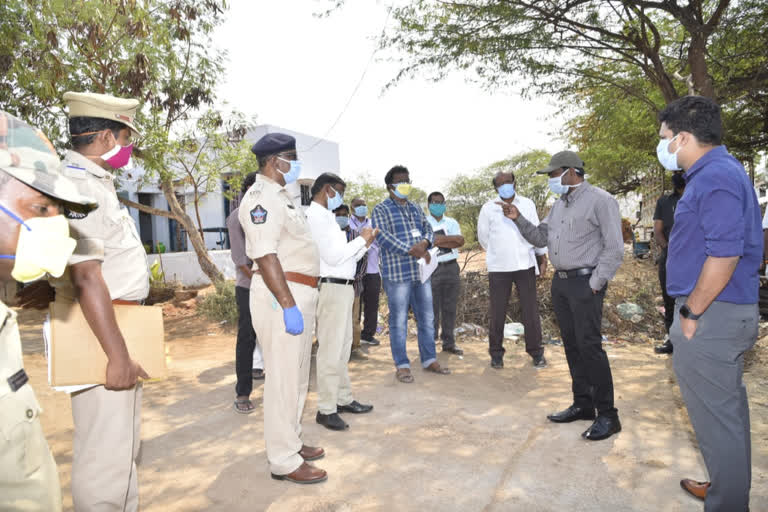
(107, 234)
(665, 212)
(274, 224)
(446, 226)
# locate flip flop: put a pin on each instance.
(404, 375)
(243, 406)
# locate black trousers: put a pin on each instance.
(580, 313)
(500, 284)
(246, 342)
(669, 302)
(445, 293)
(370, 305)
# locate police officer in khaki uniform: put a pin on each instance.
(283, 301)
(34, 240)
(109, 265)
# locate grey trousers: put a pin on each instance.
(445, 294)
(709, 369)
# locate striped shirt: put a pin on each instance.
(401, 227)
(583, 229)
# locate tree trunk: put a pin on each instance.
(697, 59)
(146, 209)
(203, 258)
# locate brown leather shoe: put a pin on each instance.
(306, 474)
(694, 488)
(309, 453)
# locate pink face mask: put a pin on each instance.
(118, 156)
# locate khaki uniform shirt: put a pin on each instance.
(274, 224)
(107, 234)
(28, 477)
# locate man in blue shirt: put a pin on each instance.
(405, 237)
(445, 280)
(712, 271)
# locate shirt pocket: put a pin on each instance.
(22, 444)
(123, 233)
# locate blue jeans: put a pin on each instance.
(419, 297)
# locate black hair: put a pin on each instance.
(78, 125)
(327, 178)
(342, 207)
(697, 115)
(262, 160)
(398, 169)
(433, 194)
(493, 180)
(248, 182)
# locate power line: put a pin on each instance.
(354, 91)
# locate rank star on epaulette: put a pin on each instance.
(258, 215)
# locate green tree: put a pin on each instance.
(374, 191)
(158, 51)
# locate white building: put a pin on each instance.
(317, 156)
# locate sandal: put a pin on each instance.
(244, 405)
(436, 368)
(404, 375)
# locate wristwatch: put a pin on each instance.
(686, 312)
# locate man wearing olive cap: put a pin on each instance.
(34, 240)
(583, 234)
(283, 301)
(108, 266)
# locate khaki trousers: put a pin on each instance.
(106, 445)
(356, 327)
(334, 338)
(286, 363)
(29, 481)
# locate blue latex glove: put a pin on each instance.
(294, 321)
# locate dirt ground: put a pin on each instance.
(476, 440)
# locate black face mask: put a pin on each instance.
(678, 181)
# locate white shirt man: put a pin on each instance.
(338, 262)
(511, 259)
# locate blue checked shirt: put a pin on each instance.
(401, 227)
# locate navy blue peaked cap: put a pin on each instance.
(273, 143)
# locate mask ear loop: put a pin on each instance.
(14, 216)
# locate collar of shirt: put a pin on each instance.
(712, 154)
(575, 193)
(357, 225)
(83, 162)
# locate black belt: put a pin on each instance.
(334, 280)
(576, 272)
(447, 262)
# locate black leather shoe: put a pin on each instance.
(603, 428)
(331, 421)
(572, 413)
(454, 350)
(497, 363)
(664, 348)
(354, 407)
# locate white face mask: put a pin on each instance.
(667, 159)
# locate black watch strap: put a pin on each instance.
(686, 312)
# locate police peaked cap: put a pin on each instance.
(273, 143)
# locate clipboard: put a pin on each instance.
(76, 356)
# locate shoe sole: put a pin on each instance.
(601, 437)
(691, 493)
(370, 343)
(316, 457)
(340, 411)
(571, 420)
(302, 482)
(329, 427)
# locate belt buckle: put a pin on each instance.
(562, 274)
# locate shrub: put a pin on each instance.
(220, 306)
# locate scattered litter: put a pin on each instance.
(513, 329)
(628, 310)
(468, 329)
(552, 342)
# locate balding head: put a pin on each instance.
(503, 177)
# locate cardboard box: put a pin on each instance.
(76, 356)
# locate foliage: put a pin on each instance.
(156, 275)
(643, 54)
(156, 50)
(220, 306)
(467, 193)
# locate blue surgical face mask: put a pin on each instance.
(556, 185)
(507, 190)
(343, 222)
(294, 172)
(361, 211)
(667, 159)
(335, 201)
(437, 209)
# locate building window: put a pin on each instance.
(306, 197)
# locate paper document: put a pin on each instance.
(75, 354)
(426, 269)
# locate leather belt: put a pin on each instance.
(299, 278)
(122, 302)
(576, 272)
(335, 280)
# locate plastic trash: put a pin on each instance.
(513, 329)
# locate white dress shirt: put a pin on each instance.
(338, 258)
(506, 249)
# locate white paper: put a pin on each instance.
(427, 269)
